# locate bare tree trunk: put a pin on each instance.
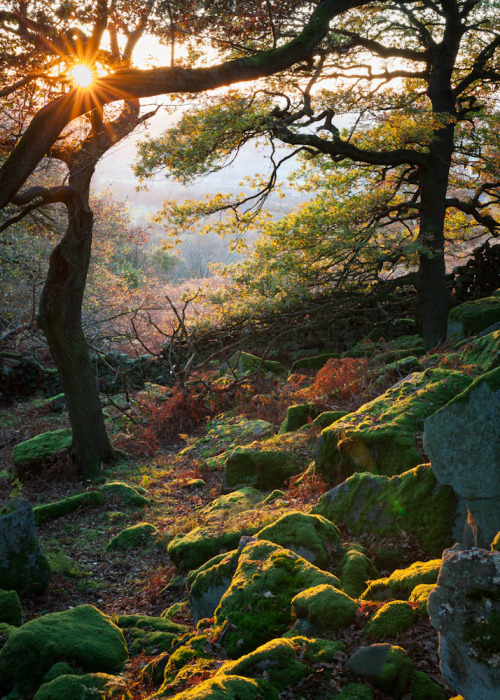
(60, 314)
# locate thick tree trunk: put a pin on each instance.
(60, 318)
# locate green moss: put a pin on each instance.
(223, 688)
(203, 543)
(127, 494)
(139, 535)
(495, 545)
(483, 635)
(354, 570)
(354, 691)
(475, 316)
(403, 581)
(35, 451)
(390, 619)
(385, 666)
(149, 635)
(274, 496)
(311, 536)
(244, 363)
(225, 432)
(257, 608)
(420, 594)
(83, 636)
(95, 685)
(379, 436)
(52, 511)
(393, 349)
(10, 608)
(235, 502)
(483, 352)
(313, 362)
(490, 379)
(263, 469)
(297, 416)
(324, 608)
(424, 688)
(61, 668)
(328, 417)
(210, 583)
(413, 502)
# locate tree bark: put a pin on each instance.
(60, 319)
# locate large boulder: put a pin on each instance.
(463, 442)
(30, 455)
(384, 666)
(257, 605)
(83, 636)
(23, 567)
(310, 536)
(380, 436)
(465, 609)
(323, 608)
(474, 316)
(208, 584)
(413, 502)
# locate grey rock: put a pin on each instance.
(23, 568)
(465, 609)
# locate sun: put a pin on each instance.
(82, 75)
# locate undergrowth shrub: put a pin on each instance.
(342, 378)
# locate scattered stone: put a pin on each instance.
(420, 595)
(391, 619)
(385, 666)
(354, 570)
(312, 537)
(313, 362)
(32, 454)
(380, 436)
(11, 611)
(245, 363)
(52, 511)
(149, 635)
(209, 583)
(128, 495)
(72, 687)
(413, 502)
(323, 608)
(139, 535)
(297, 416)
(23, 567)
(402, 581)
(82, 635)
(463, 442)
(465, 609)
(256, 607)
(474, 316)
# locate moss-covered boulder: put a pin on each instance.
(391, 619)
(231, 503)
(149, 635)
(402, 581)
(91, 685)
(375, 346)
(354, 570)
(385, 666)
(60, 668)
(51, 511)
(312, 362)
(257, 605)
(323, 608)
(465, 609)
(11, 611)
(127, 494)
(310, 536)
(328, 417)
(474, 316)
(83, 636)
(208, 584)
(23, 568)
(483, 351)
(413, 502)
(138, 535)
(225, 432)
(31, 454)
(463, 442)
(195, 548)
(297, 416)
(245, 363)
(380, 436)
(222, 687)
(261, 469)
(420, 595)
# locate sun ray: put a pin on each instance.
(81, 75)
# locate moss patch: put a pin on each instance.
(34, 452)
(149, 635)
(379, 436)
(139, 535)
(391, 619)
(51, 511)
(127, 494)
(474, 316)
(10, 608)
(386, 667)
(420, 595)
(324, 608)
(402, 581)
(92, 685)
(354, 570)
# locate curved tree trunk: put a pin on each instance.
(60, 319)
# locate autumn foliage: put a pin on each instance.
(342, 378)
